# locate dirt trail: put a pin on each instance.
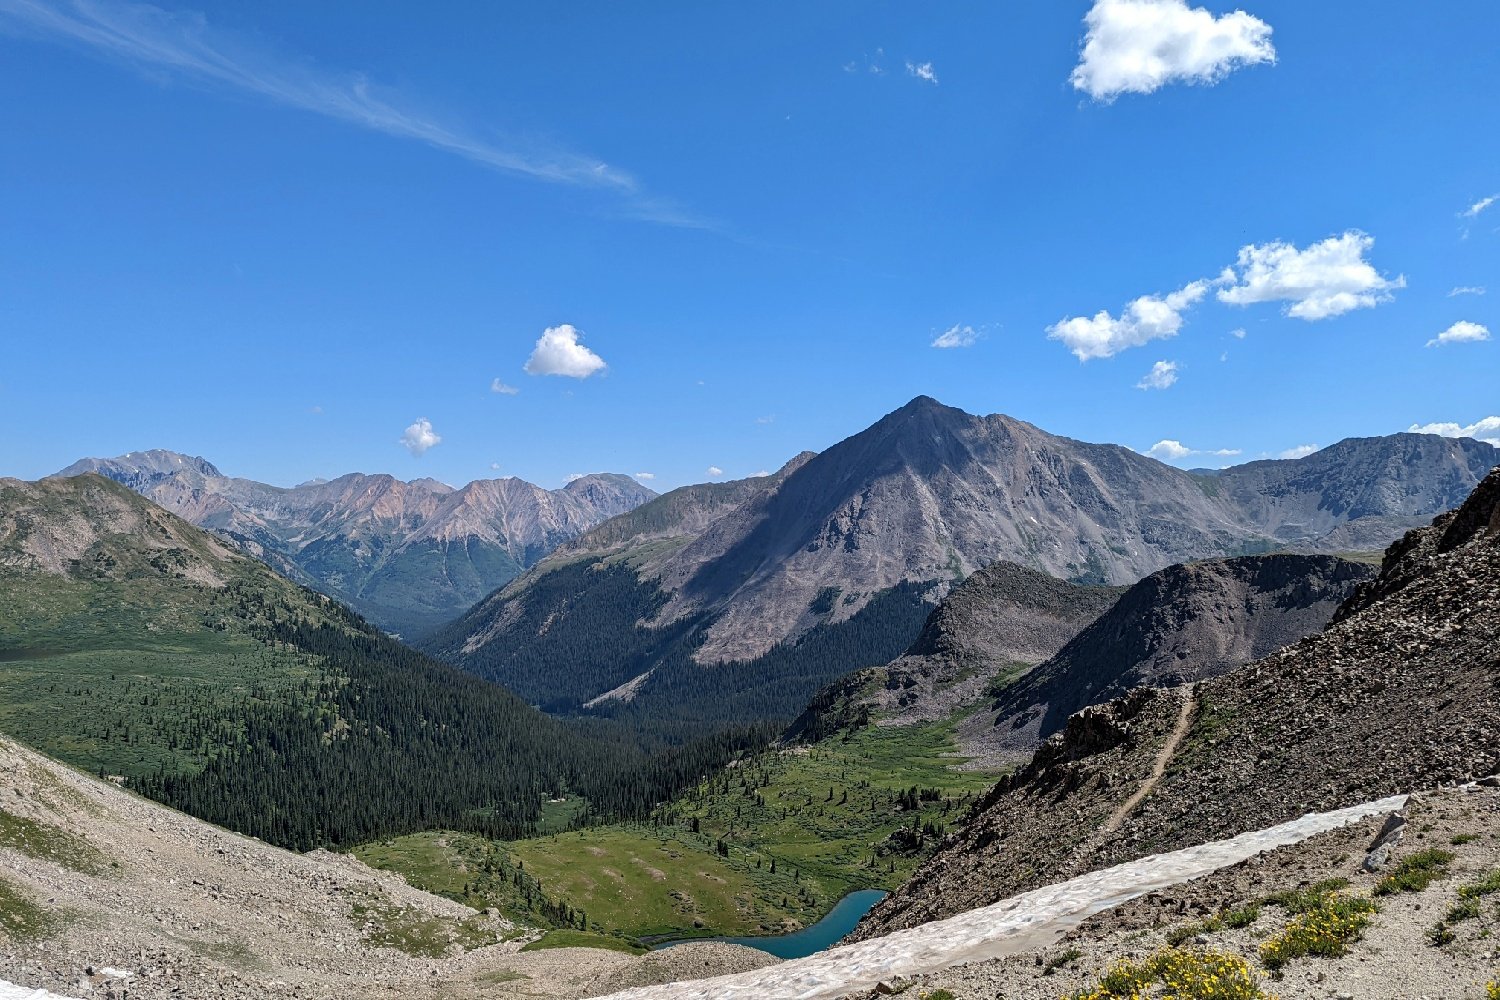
(1189, 697)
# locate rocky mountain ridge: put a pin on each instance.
(1179, 625)
(1401, 692)
(924, 497)
(407, 555)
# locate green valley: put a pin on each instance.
(765, 845)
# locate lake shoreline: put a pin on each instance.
(829, 930)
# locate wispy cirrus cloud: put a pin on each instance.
(186, 47)
(1474, 210)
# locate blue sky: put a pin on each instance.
(279, 234)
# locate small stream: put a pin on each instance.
(809, 940)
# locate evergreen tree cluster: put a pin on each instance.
(389, 741)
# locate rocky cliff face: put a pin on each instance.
(999, 622)
(1179, 625)
(1401, 692)
(409, 556)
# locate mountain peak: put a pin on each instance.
(134, 466)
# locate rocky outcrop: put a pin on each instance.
(1401, 692)
(409, 556)
(1000, 621)
(1179, 625)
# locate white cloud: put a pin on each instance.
(1462, 332)
(1466, 290)
(558, 352)
(1148, 318)
(494, 466)
(1300, 451)
(500, 387)
(1326, 279)
(1472, 212)
(184, 43)
(420, 436)
(714, 471)
(922, 71)
(1168, 449)
(1173, 451)
(645, 477)
(315, 410)
(759, 475)
(1486, 430)
(956, 336)
(1238, 334)
(768, 419)
(1139, 46)
(1163, 375)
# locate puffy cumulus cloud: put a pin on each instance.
(420, 436)
(1486, 430)
(1458, 290)
(1238, 334)
(1462, 332)
(714, 471)
(494, 466)
(1168, 449)
(499, 387)
(1474, 210)
(1174, 451)
(1163, 375)
(1140, 46)
(922, 71)
(1324, 280)
(1148, 318)
(645, 477)
(958, 335)
(558, 352)
(1300, 451)
(573, 477)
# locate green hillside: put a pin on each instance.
(134, 644)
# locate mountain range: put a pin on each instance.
(408, 556)
(730, 574)
(1398, 693)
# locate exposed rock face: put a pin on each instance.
(1179, 625)
(930, 493)
(1401, 692)
(93, 528)
(409, 556)
(1003, 619)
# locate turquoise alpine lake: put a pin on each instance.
(809, 940)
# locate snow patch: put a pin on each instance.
(1022, 923)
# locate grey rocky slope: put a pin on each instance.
(407, 555)
(1182, 624)
(927, 495)
(1401, 692)
(1002, 620)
